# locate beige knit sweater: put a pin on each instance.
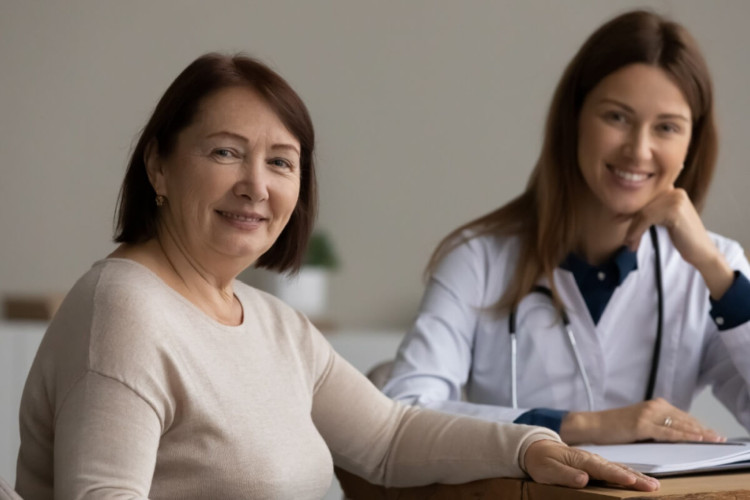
(136, 393)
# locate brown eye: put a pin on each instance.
(669, 128)
(281, 163)
(225, 155)
(615, 117)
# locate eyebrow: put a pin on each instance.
(673, 116)
(242, 138)
(288, 147)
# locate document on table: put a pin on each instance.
(664, 459)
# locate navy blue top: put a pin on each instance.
(598, 283)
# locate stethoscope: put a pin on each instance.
(572, 339)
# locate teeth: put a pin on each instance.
(240, 217)
(629, 176)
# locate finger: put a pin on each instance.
(657, 211)
(696, 429)
(680, 426)
(662, 433)
(642, 481)
(638, 226)
(599, 468)
(564, 475)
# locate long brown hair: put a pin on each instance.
(137, 214)
(544, 216)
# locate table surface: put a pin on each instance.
(718, 486)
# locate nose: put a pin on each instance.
(638, 146)
(253, 181)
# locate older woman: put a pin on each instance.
(596, 303)
(162, 376)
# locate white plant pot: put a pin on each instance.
(306, 292)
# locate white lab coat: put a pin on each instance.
(454, 345)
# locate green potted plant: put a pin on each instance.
(307, 291)
(320, 252)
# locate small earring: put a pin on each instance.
(160, 199)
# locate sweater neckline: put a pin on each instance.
(178, 296)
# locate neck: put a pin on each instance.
(210, 290)
(602, 234)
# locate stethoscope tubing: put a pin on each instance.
(574, 345)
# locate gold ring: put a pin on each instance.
(667, 422)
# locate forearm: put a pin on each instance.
(717, 274)
(387, 442)
(436, 447)
(579, 428)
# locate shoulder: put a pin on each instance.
(270, 314)
(290, 331)
(263, 306)
(101, 327)
(480, 251)
(136, 320)
(109, 287)
(131, 300)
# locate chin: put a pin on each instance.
(242, 252)
(624, 207)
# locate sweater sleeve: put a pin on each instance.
(389, 443)
(106, 441)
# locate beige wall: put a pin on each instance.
(428, 113)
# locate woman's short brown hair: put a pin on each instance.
(137, 215)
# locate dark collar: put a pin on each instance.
(620, 264)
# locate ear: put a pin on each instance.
(155, 168)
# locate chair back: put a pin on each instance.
(380, 373)
(6, 492)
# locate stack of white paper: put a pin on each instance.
(660, 459)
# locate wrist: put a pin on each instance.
(578, 427)
(717, 274)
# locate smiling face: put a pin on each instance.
(232, 180)
(633, 136)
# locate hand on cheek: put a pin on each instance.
(674, 210)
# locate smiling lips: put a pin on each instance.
(243, 218)
(629, 176)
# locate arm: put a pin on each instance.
(726, 356)
(435, 358)
(724, 271)
(728, 293)
(106, 439)
(388, 443)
